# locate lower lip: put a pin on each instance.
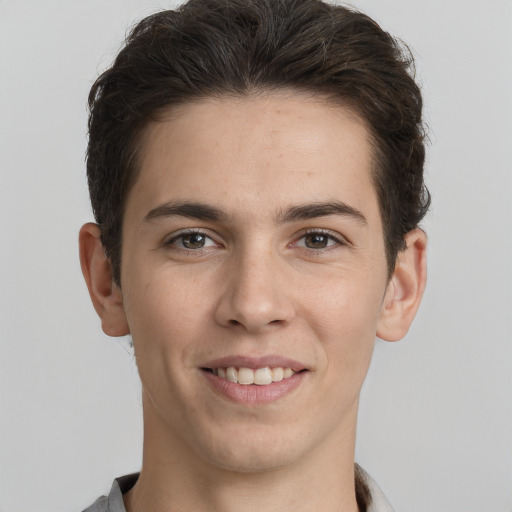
(253, 394)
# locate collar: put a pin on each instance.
(379, 502)
(123, 484)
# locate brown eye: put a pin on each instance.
(316, 241)
(193, 240)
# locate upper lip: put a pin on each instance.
(266, 361)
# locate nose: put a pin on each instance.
(256, 294)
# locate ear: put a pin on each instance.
(405, 288)
(105, 294)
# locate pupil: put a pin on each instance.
(194, 241)
(316, 241)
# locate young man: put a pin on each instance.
(256, 173)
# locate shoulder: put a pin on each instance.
(114, 501)
(378, 502)
(100, 505)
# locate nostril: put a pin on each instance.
(236, 322)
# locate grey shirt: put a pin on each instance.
(114, 501)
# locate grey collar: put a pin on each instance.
(115, 503)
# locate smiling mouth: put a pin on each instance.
(248, 376)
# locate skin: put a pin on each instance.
(262, 285)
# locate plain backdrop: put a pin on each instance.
(435, 427)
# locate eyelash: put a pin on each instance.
(338, 240)
(171, 242)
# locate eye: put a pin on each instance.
(192, 241)
(318, 240)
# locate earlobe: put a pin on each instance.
(405, 288)
(105, 294)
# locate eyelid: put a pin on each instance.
(333, 235)
(170, 239)
(339, 239)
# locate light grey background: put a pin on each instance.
(436, 415)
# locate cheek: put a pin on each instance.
(337, 304)
(165, 317)
(344, 316)
(165, 311)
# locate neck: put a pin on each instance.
(174, 478)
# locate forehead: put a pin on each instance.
(255, 154)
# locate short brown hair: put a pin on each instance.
(234, 47)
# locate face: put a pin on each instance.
(253, 252)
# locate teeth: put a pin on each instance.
(231, 374)
(245, 376)
(277, 374)
(260, 376)
(287, 373)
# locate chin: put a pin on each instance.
(253, 453)
(252, 461)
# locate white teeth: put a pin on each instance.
(277, 374)
(245, 376)
(260, 376)
(231, 374)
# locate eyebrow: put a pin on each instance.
(313, 210)
(201, 211)
(187, 209)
